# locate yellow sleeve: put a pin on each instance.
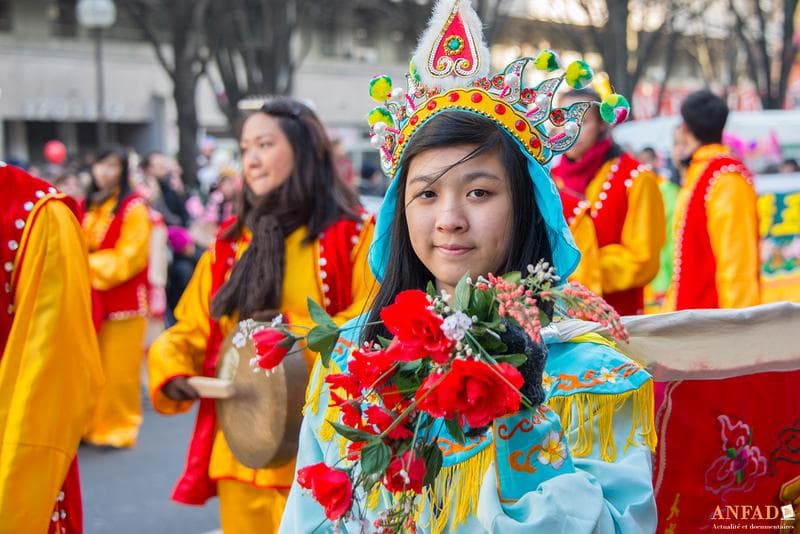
(180, 350)
(111, 267)
(50, 370)
(588, 272)
(363, 286)
(733, 229)
(634, 261)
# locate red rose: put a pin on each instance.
(417, 330)
(383, 419)
(370, 368)
(472, 390)
(271, 346)
(405, 473)
(330, 487)
(347, 382)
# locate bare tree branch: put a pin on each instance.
(139, 11)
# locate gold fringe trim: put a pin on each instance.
(586, 407)
(455, 492)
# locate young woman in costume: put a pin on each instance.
(469, 196)
(299, 233)
(117, 227)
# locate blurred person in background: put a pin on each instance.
(716, 221)
(299, 233)
(185, 255)
(117, 227)
(69, 182)
(789, 165)
(623, 201)
(50, 371)
(163, 189)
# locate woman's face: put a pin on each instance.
(460, 222)
(267, 155)
(107, 172)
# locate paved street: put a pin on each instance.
(128, 492)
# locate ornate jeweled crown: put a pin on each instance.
(450, 71)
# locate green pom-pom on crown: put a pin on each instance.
(380, 114)
(578, 74)
(614, 109)
(380, 88)
(547, 60)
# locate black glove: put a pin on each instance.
(518, 342)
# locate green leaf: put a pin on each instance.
(514, 277)
(323, 339)
(430, 289)
(731, 452)
(739, 477)
(455, 431)
(462, 294)
(375, 458)
(406, 381)
(353, 434)
(318, 314)
(433, 463)
(514, 359)
(481, 302)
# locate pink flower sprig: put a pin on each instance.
(518, 302)
(581, 303)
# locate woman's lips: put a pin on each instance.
(453, 250)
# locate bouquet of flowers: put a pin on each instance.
(446, 360)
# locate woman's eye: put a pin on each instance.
(479, 193)
(426, 194)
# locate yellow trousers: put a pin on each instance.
(246, 509)
(118, 413)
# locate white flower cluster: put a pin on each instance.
(543, 273)
(455, 326)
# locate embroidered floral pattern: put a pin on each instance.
(741, 465)
(553, 450)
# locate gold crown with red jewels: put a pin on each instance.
(449, 70)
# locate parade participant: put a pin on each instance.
(470, 193)
(623, 200)
(716, 263)
(117, 226)
(300, 233)
(50, 369)
(741, 428)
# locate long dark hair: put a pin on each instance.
(312, 195)
(124, 180)
(529, 239)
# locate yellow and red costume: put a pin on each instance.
(731, 441)
(576, 212)
(48, 380)
(118, 239)
(716, 263)
(624, 202)
(332, 271)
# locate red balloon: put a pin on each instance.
(55, 152)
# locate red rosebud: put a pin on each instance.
(417, 330)
(472, 390)
(382, 419)
(271, 346)
(330, 487)
(405, 473)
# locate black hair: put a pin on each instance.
(124, 182)
(529, 237)
(705, 114)
(312, 196)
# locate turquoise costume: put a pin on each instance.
(597, 476)
(579, 462)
